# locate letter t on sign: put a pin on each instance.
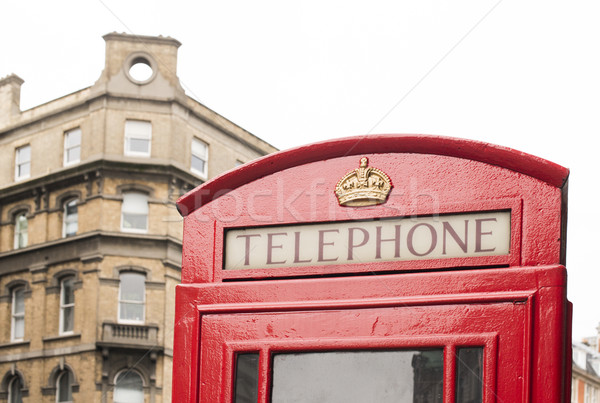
(247, 250)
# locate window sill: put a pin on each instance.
(15, 344)
(62, 337)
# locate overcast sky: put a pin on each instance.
(522, 74)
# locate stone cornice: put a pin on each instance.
(88, 169)
(95, 243)
(196, 109)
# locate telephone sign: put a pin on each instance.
(392, 268)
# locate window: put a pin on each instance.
(14, 390)
(64, 387)
(20, 231)
(129, 388)
(72, 152)
(138, 138)
(18, 314)
(134, 212)
(23, 162)
(70, 218)
(67, 305)
(199, 157)
(132, 296)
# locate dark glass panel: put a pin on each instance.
(246, 378)
(469, 375)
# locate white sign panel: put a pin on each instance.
(381, 240)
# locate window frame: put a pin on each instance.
(132, 133)
(126, 372)
(64, 307)
(68, 218)
(67, 147)
(19, 232)
(21, 163)
(131, 195)
(68, 374)
(130, 301)
(15, 380)
(204, 158)
(17, 316)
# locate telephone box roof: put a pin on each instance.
(503, 157)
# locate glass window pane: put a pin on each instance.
(132, 286)
(129, 388)
(64, 387)
(22, 162)
(135, 203)
(24, 154)
(138, 129)
(139, 145)
(132, 297)
(19, 328)
(246, 378)
(134, 221)
(73, 154)
(67, 319)
(73, 138)
(197, 164)
(133, 312)
(24, 169)
(358, 376)
(469, 375)
(199, 148)
(19, 301)
(68, 296)
(14, 391)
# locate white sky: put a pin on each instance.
(522, 74)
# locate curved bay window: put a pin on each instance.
(18, 314)
(21, 228)
(70, 218)
(132, 297)
(129, 388)
(67, 305)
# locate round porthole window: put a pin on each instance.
(140, 68)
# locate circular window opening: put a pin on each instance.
(140, 69)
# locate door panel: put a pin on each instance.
(498, 330)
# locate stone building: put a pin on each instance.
(585, 382)
(90, 240)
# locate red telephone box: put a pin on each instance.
(376, 269)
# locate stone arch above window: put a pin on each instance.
(12, 214)
(6, 295)
(134, 269)
(60, 276)
(55, 374)
(66, 197)
(7, 381)
(121, 365)
(129, 387)
(135, 187)
(16, 283)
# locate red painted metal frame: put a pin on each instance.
(268, 347)
(431, 175)
(539, 293)
(504, 157)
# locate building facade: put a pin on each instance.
(90, 240)
(585, 385)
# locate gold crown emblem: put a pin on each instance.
(364, 186)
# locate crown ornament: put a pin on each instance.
(364, 186)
